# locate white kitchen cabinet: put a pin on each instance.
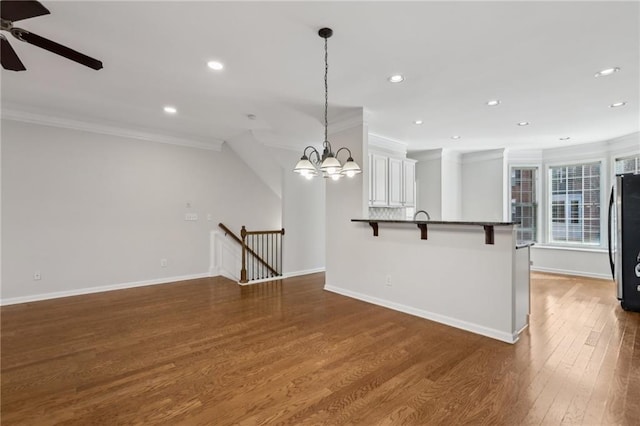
(409, 183)
(392, 181)
(379, 180)
(395, 182)
(370, 178)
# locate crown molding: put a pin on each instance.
(387, 144)
(524, 155)
(477, 156)
(426, 155)
(451, 156)
(66, 123)
(630, 142)
(347, 121)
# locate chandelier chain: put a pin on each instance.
(312, 161)
(326, 90)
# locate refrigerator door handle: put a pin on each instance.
(618, 243)
(613, 273)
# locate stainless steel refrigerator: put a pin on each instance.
(624, 239)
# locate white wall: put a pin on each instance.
(345, 200)
(89, 210)
(483, 175)
(303, 217)
(451, 186)
(439, 181)
(429, 182)
(590, 263)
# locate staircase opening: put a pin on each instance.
(261, 254)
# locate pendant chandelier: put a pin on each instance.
(312, 162)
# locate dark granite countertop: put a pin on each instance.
(523, 244)
(436, 222)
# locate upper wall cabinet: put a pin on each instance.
(379, 180)
(392, 182)
(395, 183)
(409, 183)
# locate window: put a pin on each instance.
(523, 202)
(575, 203)
(628, 165)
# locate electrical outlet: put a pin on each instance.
(37, 276)
(388, 281)
(209, 217)
(163, 263)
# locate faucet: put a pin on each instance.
(421, 211)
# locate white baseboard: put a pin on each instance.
(570, 272)
(303, 272)
(453, 322)
(282, 277)
(89, 290)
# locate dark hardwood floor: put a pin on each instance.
(210, 352)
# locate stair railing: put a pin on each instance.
(261, 254)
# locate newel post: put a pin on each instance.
(243, 271)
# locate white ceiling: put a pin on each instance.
(538, 58)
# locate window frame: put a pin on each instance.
(538, 185)
(603, 163)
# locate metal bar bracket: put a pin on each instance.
(423, 231)
(374, 225)
(488, 234)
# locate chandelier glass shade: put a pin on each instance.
(312, 163)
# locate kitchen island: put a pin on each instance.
(471, 275)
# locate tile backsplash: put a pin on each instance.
(387, 213)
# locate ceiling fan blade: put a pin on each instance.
(12, 10)
(9, 57)
(56, 48)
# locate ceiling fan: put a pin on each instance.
(12, 11)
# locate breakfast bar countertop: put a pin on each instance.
(437, 222)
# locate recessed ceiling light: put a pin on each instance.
(397, 78)
(455, 137)
(523, 123)
(493, 102)
(617, 104)
(418, 122)
(170, 110)
(215, 65)
(607, 72)
(566, 138)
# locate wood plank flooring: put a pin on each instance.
(208, 352)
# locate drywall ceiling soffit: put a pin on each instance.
(259, 159)
(538, 58)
